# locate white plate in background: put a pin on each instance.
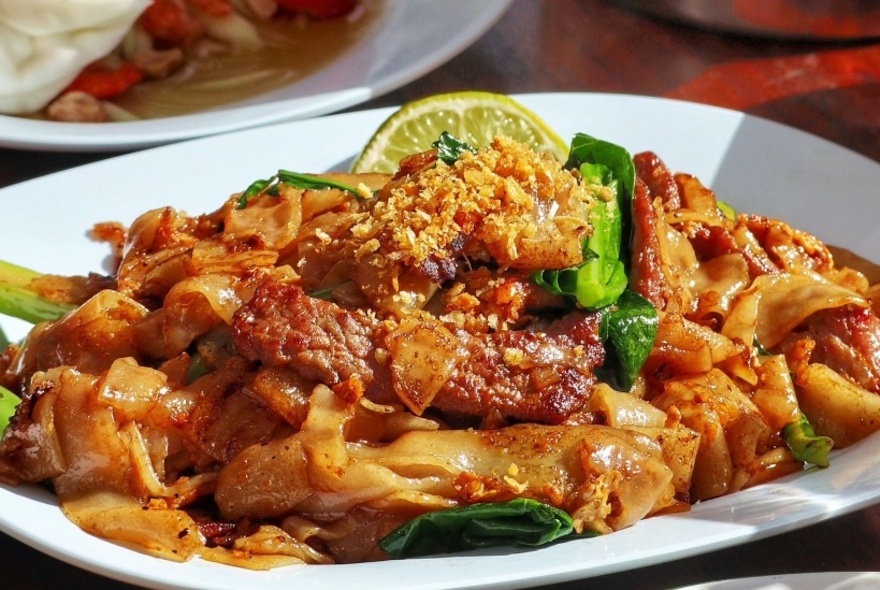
(407, 40)
(755, 165)
(806, 581)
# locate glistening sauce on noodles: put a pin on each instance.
(307, 372)
(850, 259)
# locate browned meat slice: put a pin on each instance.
(521, 375)
(848, 341)
(781, 247)
(526, 375)
(660, 181)
(646, 277)
(282, 326)
(714, 241)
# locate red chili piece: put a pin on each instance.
(102, 82)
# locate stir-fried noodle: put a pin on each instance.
(293, 376)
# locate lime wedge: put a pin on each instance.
(471, 116)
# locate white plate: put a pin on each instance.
(408, 40)
(755, 165)
(811, 581)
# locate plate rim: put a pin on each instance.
(29, 134)
(729, 533)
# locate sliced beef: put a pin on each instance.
(848, 341)
(282, 326)
(537, 376)
(646, 274)
(533, 376)
(651, 170)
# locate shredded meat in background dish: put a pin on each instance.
(290, 377)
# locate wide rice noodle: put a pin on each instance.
(155, 431)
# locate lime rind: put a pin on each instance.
(472, 116)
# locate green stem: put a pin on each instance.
(296, 180)
(804, 444)
(17, 299)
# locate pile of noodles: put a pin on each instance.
(154, 431)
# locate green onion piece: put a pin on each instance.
(804, 444)
(726, 210)
(294, 179)
(309, 181)
(325, 293)
(760, 347)
(18, 300)
(253, 190)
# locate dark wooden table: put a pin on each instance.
(829, 89)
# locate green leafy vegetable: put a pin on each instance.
(17, 299)
(628, 329)
(450, 148)
(294, 179)
(8, 402)
(601, 278)
(629, 322)
(587, 149)
(519, 522)
(801, 440)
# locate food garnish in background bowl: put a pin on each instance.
(486, 345)
(87, 61)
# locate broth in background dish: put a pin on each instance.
(294, 48)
